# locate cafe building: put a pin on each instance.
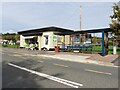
(46, 38)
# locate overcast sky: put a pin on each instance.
(18, 16)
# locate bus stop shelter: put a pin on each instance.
(104, 41)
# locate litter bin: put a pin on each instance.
(57, 49)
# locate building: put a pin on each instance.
(49, 37)
(46, 38)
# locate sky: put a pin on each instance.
(19, 16)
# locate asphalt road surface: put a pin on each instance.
(24, 71)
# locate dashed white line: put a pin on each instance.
(63, 81)
(16, 55)
(59, 65)
(98, 72)
(40, 61)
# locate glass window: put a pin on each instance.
(77, 38)
(46, 39)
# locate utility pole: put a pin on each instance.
(81, 24)
(80, 18)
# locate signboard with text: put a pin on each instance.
(55, 38)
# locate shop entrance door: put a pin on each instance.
(46, 42)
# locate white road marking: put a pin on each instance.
(10, 55)
(16, 52)
(26, 54)
(59, 65)
(16, 55)
(40, 61)
(98, 72)
(63, 81)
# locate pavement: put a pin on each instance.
(80, 59)
(26, 69)
(108, 60)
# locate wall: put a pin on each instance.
(22, 41)
(52, 41)
(67, 40)
(51, 44)
(39, 42)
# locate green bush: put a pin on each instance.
(11, 46)
(110, 43)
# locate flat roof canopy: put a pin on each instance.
(32, 34)
(94, 30)
(61, 31)
(47, 29)
(89, 31)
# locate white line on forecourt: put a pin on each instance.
(63, 81)
(98, 72)
(59, 65)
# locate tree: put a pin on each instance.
(14, 37)
(17, 37)
(115, 26)
(94, 40)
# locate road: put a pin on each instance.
(24, 71)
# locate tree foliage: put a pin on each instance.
(13, 37)
(115, 26)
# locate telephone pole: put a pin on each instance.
(81, 24)
(80, 18)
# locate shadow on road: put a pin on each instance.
(16, 78)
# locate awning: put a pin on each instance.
(29, 37)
